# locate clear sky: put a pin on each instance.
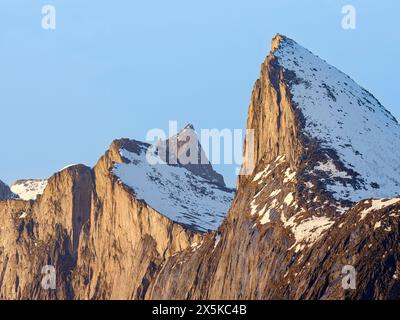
(117, 68)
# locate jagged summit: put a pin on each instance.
(276, 41)
(184, 149)
(357, 138)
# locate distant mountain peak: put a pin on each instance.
(185, 149)
(179, 192)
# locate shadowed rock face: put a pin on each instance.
(294, 223)
(5, 192)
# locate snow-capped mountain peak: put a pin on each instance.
(185, 149)
(361, 138)
(178, 192)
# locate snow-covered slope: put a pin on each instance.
(29, 189)
(173, 190)
(345, 118)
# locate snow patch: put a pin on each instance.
(289, 199)
(68, 166)
(29, 189)
(308, 231)
(331, 169)
(266, 218)
(377, 225)
(23, 215)
(262, 174)
(217, 240)
(289, 175)
(378, 204)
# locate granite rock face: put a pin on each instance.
(297, 224)
(321, 200)
(103, 241)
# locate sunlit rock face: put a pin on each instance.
(323, 148)
(323, 196)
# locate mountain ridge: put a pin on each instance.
(287, 235)
(296, 235)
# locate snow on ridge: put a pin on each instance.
(308, 231)
(345, 117)
(378, 204)
(174, 191)
(29, 189)
(331, 168)
(68, 166)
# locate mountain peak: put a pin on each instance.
(189, 194)
(277, 41)
(309, 111)
(184, 149)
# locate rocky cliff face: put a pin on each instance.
(322, 197)
(104, 240)
(44, 232)
(296, 222)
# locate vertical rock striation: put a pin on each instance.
(298, 219)
(323, 196)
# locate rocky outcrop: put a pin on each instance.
(5, 192)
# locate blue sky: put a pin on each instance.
(118, 68)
